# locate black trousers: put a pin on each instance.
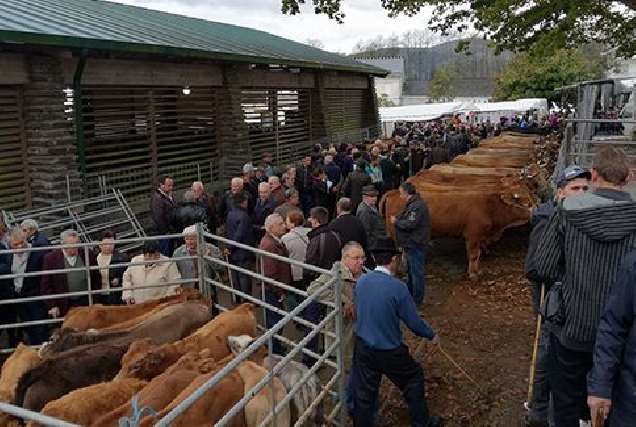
(567, 376)
(369, 365)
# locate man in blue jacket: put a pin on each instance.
(381, 302)
(611, 384)
(240, 229)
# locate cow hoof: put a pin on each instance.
(474, 277)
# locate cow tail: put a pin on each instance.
(27, 379)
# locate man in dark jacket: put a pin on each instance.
(570, 182)
(412, 234)
(189, 213)
(161, 210)
(226, 202)
(23, 287)
(304, 184)
(368, 215)
(352, 186)
(611, 384)
(583, 244)
(35, 238)
(323, 251)
(349, 227)
(265, 206)
(239, 229)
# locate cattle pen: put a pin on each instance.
(330, 361)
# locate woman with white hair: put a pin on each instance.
(112, 277)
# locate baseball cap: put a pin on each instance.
(570, 173)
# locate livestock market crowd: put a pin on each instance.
(368, 212)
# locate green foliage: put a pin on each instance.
(384, 101)
(537, 76)
(516, 25)
(444, 82)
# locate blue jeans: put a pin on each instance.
(271, 318)
(415, 259)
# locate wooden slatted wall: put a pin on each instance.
(14, 179)
(278, 122)
(348, 109)
(134, 134)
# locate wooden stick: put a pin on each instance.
(535, 350)
(460, 368)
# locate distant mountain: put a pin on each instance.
(478, 70)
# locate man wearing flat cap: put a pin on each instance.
(381, 302)
(368, 214)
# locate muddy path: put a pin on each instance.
(485, 326)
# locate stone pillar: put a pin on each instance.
(233, 132)
(50, 133)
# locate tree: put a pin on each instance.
(516, 25)
(443, 83)
(529, 76)
(387, 45)
(384, 101)
(317, 43)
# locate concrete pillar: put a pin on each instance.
(50, 133)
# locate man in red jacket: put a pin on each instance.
(274, 269)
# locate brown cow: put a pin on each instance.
(148, 362)
(490, 161)
(85, 405)
(62, 373)
(159, 392)
(21, 360)
(102, 316)
(170, 324)
(478, 217)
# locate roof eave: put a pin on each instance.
(22, 37)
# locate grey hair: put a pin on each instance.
(270, 220)
(237, 180)
(16, 232)
(29, 223)
(285, 176)
(188, 196)
(196, 184)
(68, 233)
(263, 185)
(273, 179)
(351, 245)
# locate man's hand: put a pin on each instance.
(598, 404)
(130, 301)
(435, 341)
(392, 219)
(348, 309)
(115, 282)
(54, 312)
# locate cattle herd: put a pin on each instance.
(104, 356)
(480, 194)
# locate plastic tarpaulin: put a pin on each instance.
(423, 112)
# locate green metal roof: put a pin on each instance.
(97, 24)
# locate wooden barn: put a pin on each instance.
(96, 94)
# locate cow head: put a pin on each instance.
(520, 202)
(238, 344)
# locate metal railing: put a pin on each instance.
(211, 285)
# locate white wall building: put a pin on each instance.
(392, 84)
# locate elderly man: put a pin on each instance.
(250, 183)
(207, 202)
(276, 189)
(369, 217)
(274, 269)
(349, 270)
(348, 227)
(240, 229)
(73, 260)
(352, 186)
(22, 287)
(35, 238)
(289, 181)
(292, 200)
(162, 208)
(265, 206)
(189, 213)
(226, 203)
(189, 268)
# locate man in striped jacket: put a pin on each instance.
(583, 244)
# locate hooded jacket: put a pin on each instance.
(584, 243)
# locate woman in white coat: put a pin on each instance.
(296, 241)
(158, 279)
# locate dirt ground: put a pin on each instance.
(486, 327)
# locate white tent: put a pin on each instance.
(417, 113)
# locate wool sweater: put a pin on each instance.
(583, 243)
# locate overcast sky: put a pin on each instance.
(365, 19)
